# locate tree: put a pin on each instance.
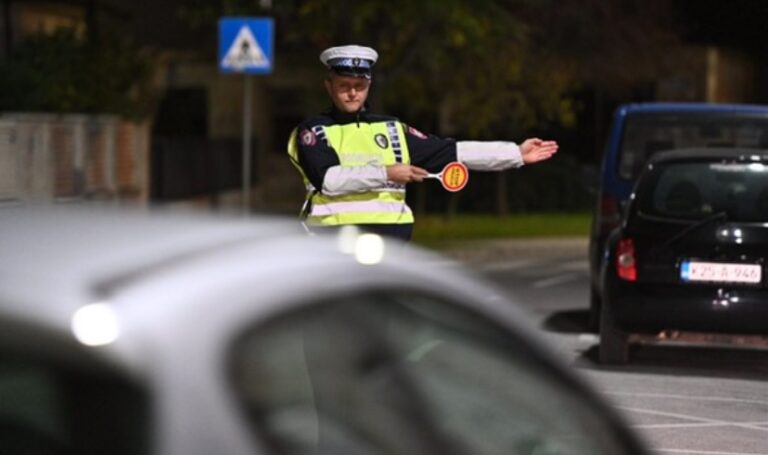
(438, 58)
(611, 44)
(61, 72)
(486, 68)
(615, 51)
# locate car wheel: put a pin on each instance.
(595, 303)
(614, 343)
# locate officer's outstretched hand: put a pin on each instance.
(535, 150)
(405, 173)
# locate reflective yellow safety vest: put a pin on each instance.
(359, 144)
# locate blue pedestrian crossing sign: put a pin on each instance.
(246, 45)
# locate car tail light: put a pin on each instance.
(610, 215)
(626, 264)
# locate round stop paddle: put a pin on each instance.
(454, 176)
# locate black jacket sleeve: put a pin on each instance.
(429, 151)
(315, 155)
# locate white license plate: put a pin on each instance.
(720, 272)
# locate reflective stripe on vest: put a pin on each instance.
(394, 140)
(359, 209)
(319, 132)
(338, 208)
(392, 188)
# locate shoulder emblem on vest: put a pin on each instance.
(414, 132)
(308, 138)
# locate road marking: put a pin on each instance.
(580, 265)
(688, 397)
(555, 280)
(533, 267)
(704, 452)
(690, 425)
(715, 422)
(506, 265)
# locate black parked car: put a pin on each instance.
(690, 254)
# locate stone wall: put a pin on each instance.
(57, 158)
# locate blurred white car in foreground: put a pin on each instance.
(175, 334)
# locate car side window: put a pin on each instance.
(385, 373)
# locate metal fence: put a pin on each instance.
(58, 158)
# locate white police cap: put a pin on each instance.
(350, 60)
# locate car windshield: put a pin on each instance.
(696, 190)
(646, 134)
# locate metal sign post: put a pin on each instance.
(247, 154)
(246, 47)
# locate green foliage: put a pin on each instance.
(451, 56)
(61, 73)
(485, 68)
(471, 61)
(611, 45)
(482, 68)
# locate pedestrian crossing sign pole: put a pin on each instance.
(246, 47)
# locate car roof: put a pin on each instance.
(86, 243)
(151, 267)
(711, 153)
(694, 108)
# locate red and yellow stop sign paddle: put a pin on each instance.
(454, 176)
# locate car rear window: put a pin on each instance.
(695, 190)
(646, 134)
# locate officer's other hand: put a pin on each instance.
(405, 173)
(534, 150)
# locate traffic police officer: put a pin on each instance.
(355, 164)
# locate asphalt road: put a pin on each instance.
(681, 399)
